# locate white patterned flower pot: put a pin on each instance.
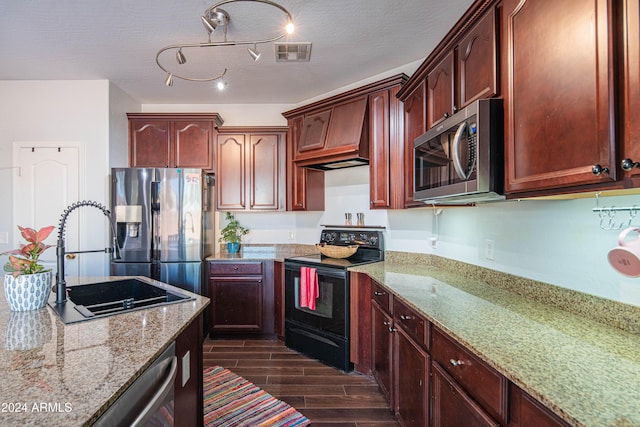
(27, 291)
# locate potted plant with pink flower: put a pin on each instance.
(28, 284)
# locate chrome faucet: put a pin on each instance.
(61, 284)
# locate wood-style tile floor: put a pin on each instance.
(327, 396)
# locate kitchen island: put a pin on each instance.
(542, 338)
(68, 375)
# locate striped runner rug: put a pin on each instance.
(230, 400)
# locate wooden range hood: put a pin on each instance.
(335, 137)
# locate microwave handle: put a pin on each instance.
(457, 164)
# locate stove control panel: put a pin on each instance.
(367, 238)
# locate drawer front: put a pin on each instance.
(414, 324)
(483, 383)
(381, 296)
(235, 268)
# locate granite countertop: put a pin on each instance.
(56, 374)
(265, 252)
(587, 372)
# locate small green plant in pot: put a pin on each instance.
(232, 233)
(28, 284)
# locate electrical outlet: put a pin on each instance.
(292, 235)
(489, 249)
(434, 243)
(4, 238)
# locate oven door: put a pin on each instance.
(331, 312)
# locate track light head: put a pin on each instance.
(180, 57)
(169, 80)
(254, 53)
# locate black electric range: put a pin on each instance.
(323, 332)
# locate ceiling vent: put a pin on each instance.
(293, 52)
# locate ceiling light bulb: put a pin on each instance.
(221, 85)
(169, 80)
(254, 53)
(290, 28)
(180, 57)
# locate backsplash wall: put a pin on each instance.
(554, 241)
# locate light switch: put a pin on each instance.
(186, 368)
(4, 238)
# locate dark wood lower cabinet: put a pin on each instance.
(237, 304)
(242, 297)
(411, 381)
(528, 412)
(452, 407)
(382, 341)
(188, 404)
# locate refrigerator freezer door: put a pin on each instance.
(179, 220)
(184, 275)
(131, 269)
(130, 204)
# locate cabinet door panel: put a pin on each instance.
(440, 88)
(477, 61)
(314, 131)
(149, 143)
(451, 405)
(236, 304)
(193, 144)
(559, 108)
(632, 85)
(381, 354)
(230, 169)
(379, 134)
(414, 126)
(345, 127)
(263, 179)
(527, 412)
(411, 381)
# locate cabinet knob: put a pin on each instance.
(456, 362)
(403, 317)
(628, 164)
(386, 323)
(599, 170)
(378, 293)
(447, 115)
(391, 329)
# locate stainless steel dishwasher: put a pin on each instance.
(149, 400)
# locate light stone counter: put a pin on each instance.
(67, 375)
(588, 372)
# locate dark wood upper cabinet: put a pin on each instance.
(414, 107)
(631, 90)
(559, 85)
(305, 187)
(386, 147)
(249, 168)
(477, 55)
(440, 90)
(172, 140)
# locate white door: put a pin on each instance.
(46, 184)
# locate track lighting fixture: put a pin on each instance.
(212, 19)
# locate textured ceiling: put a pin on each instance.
(118, 40)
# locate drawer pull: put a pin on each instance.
(456, 362)
(385, 323)
(391, 329)
(236, 268)
(378, 294)
(403, 317)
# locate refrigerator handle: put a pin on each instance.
(155, 196)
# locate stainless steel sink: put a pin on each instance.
(96, 300)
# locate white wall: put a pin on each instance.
(47, 111)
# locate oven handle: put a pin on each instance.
(321, 271)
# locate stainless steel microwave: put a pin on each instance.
(460, 160)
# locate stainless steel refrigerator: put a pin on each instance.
(159, 224)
